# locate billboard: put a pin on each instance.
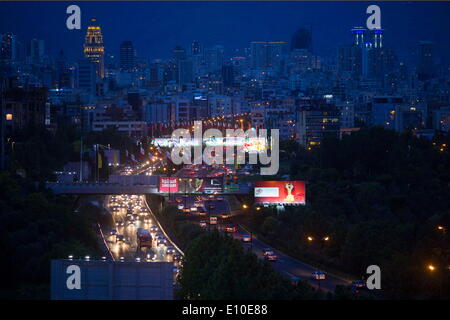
(280, 192)
(111, 280)
(168, 184)
(190, 185)
(201, 185)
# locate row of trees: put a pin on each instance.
(39, 152)
(374, 197)
(216, 267)
(35, 227)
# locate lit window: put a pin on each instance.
(9, 116)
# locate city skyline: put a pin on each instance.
(216, 151)
(328, 31)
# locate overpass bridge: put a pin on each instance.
(106, 188)
(100, 188)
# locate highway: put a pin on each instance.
(285, 264)
(129, 213)
(205, 206)
(290, 266)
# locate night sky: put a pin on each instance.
(157, 27)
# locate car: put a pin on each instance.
(267, 251)
(295, 280)
(193, 209)
(170, 250)
(203, 223)
(120, 223)
(246, 238)
(176, 270)
(358, 284)
(113, 232)
(201, 211)
(120, 238)
(271, 257)
(177, 256)
(180, 207)
(161, 242)
(213, 220)
(318, 275)
(154, 228)
(231, 228)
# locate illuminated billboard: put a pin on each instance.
(168, 184)
(190, 185)
(280, 192)
(248, 144)
(201, 185)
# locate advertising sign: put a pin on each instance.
(203, 185)
(168, 184)
(280, 192)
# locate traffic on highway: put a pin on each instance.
(136, 235)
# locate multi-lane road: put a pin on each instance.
(289, 266)
(131, 213)
(217, 205)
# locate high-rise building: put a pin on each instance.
(185, 69)
(350, 60)
(426, 62)
(37, 50)
(24, 106)
(358, 34)
(302, 39)
(266, 54)
(315, 120)
(228, 75)
(8, 46)
(376, 37)
(179, 53)
(86, 71)
(380, 63)
(214, 58)
(196, 48)
(94, 49)
(127, 56)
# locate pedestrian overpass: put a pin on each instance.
(106, 188)
(100, 188)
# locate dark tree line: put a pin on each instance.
(35, 227)
(380, 197)
(217, 267)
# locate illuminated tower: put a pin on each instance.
(358, 32)
(377, 38)
(93, 49)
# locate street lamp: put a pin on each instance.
(431, 267)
